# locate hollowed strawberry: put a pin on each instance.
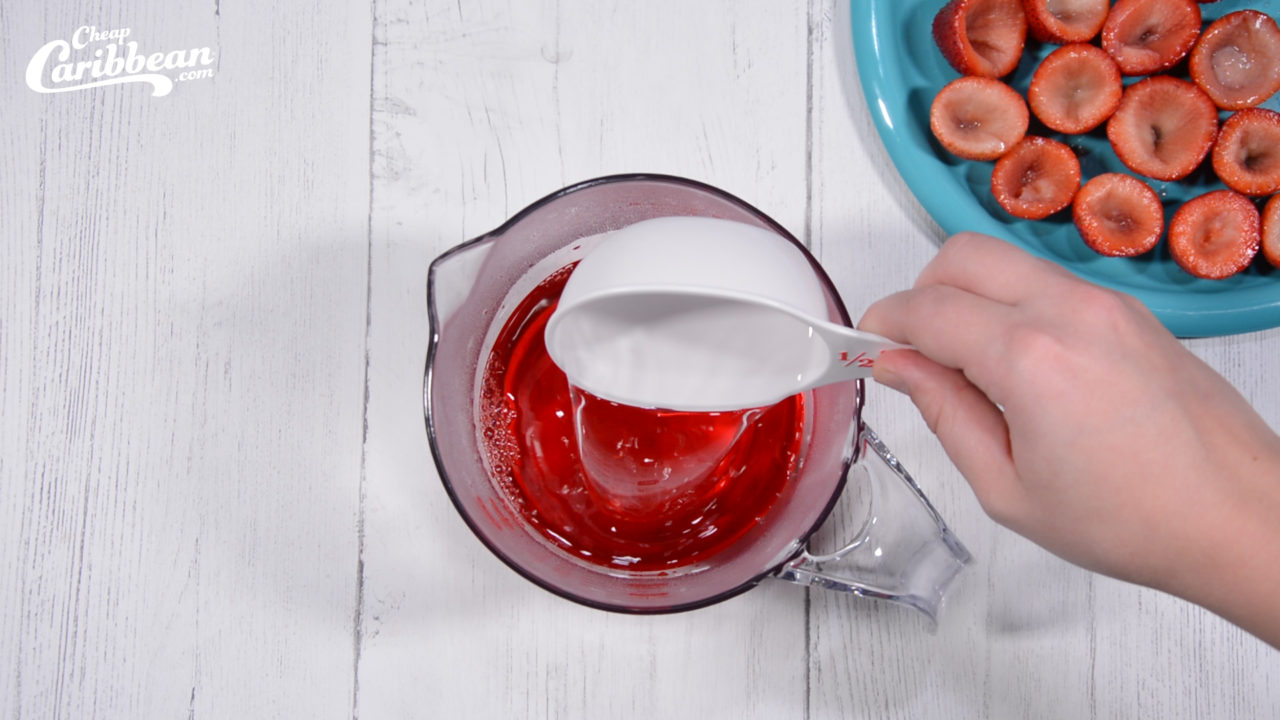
(1147, 36)
(1075, 89)
(1118, 215)
(1216, 235)
(1065, 21)
(1237, 60)
(981, 37)
(978, 118)
(1163, 128)
(1271, 231)
(1247, 153)
(1036, 178)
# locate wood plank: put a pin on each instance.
(1026, 634)
(184, 323)
(481, 108)
(868, 659)
(22, 147)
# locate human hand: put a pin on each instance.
(1116, 449)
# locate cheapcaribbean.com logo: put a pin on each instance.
(107, 60)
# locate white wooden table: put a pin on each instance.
(216, 496)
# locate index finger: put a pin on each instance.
(993, 269)
(950, 326)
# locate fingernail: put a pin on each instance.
(890, 379)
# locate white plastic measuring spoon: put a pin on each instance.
(699, 314)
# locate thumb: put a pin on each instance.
(970, 427)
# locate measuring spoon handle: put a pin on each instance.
(853, 353)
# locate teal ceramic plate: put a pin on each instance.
(901, 71)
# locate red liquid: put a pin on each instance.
(664, 489)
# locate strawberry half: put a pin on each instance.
(1118, 215)
(1065, 21)
(981, 37)
(1036, 179)
(1147, 36)
(1216, 235)
(1271, 231)
(1163, 128)
(1075, 89)
(978, 118)
(1237, 60)
(1247, 153)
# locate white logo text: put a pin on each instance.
(114, 61)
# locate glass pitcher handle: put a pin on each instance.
(903, 553)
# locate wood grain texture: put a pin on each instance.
(479, 109)
(183, 342)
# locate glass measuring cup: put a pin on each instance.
(903, 551)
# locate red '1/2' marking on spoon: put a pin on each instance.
(861, 359)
